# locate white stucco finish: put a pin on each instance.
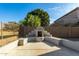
(53, 40)
(71, 44)
(67, 43)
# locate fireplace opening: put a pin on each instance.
(39, 33)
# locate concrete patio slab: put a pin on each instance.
(32, 49)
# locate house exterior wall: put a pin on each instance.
(78, 14)
(70, 18)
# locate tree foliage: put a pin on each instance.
(33, 21)
(42, 15)
(36, 22)
(35, 18)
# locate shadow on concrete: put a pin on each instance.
(62, 52)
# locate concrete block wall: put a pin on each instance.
(57, 31)
(66, 43)
(71, 44)
(67, 32)
(54, 40)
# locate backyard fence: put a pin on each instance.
(67, 32)
(24, 30)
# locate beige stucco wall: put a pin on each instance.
(69, 18)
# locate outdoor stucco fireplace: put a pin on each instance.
(39, 34)
(36, 35)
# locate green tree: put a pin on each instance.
(32, 20)
(23, 22)
(36, 18)
(37, 21)
(42, 15)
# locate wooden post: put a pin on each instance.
(1, 31)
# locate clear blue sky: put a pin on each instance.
(16, 12)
